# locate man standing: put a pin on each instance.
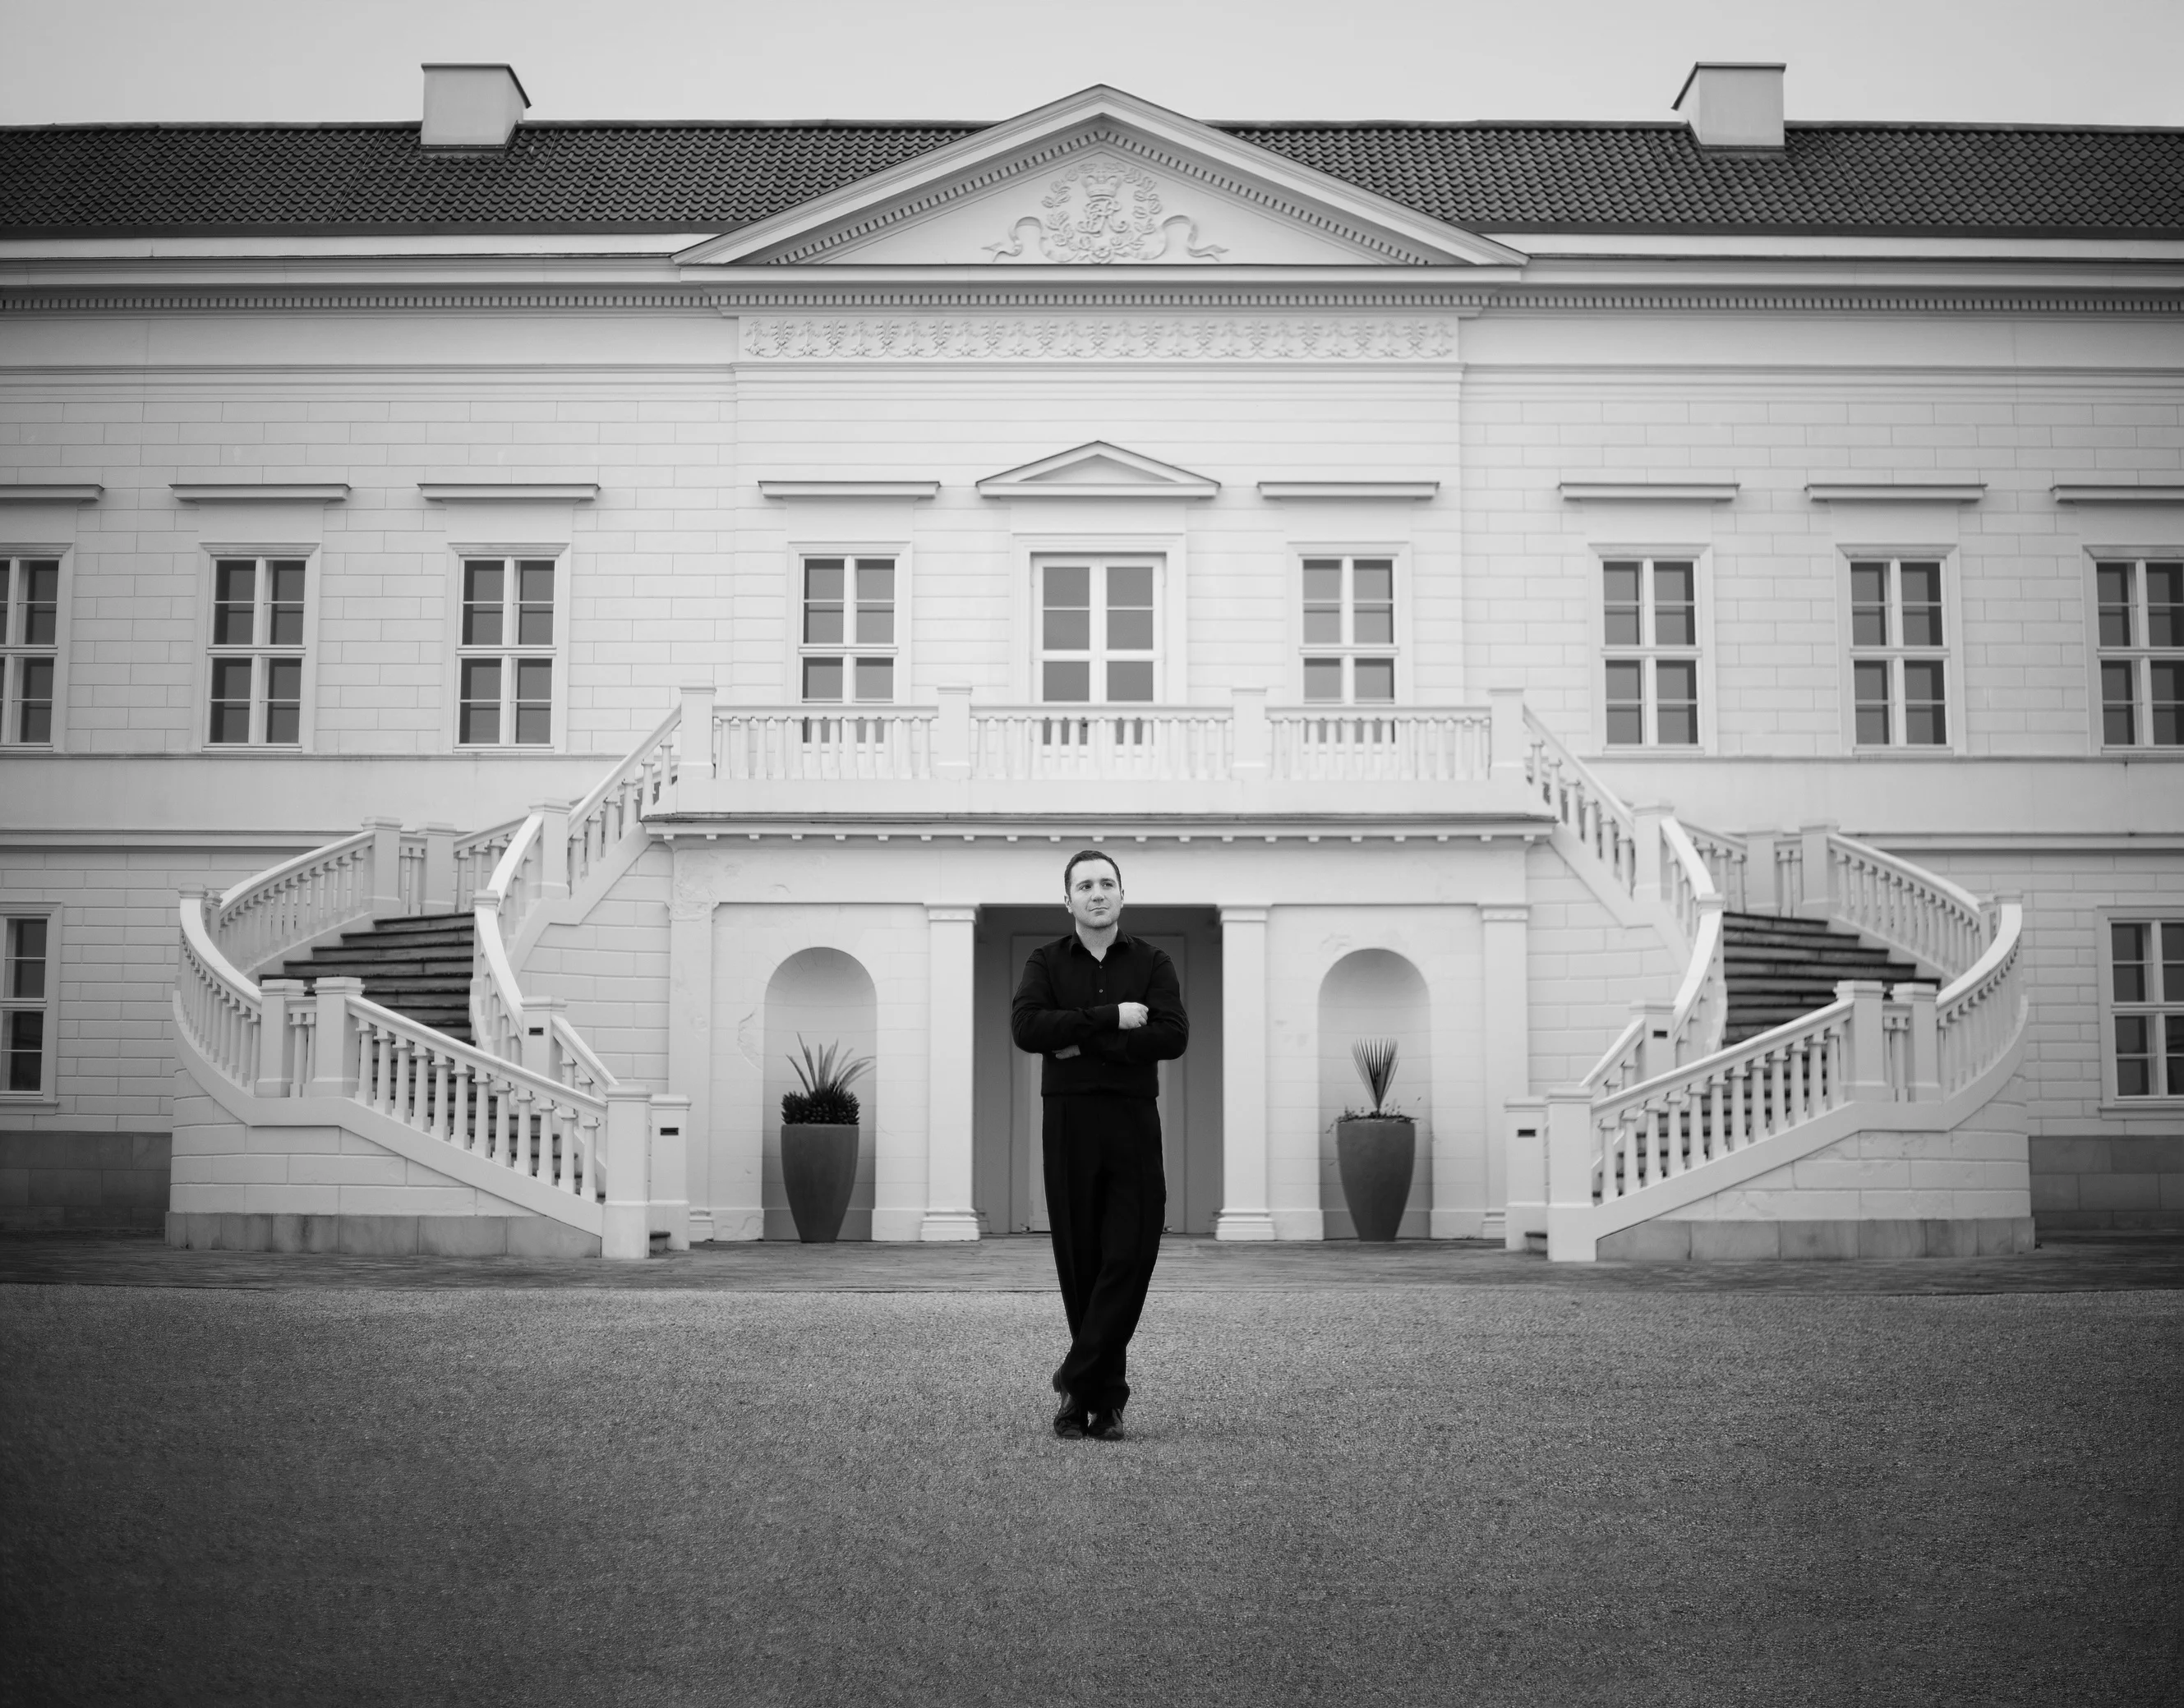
(1103, 1010)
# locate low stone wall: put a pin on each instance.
(1664, 1241)
(83, 1179)
(379, 1236)
(2121, 1182)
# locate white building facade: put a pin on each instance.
(1472, 579)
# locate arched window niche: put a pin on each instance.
(1375, 993)
(827, 997)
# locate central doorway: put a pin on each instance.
(1009, 1178)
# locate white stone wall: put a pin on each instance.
(613, 969)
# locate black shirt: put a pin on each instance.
(1070, 996)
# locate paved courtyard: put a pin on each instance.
(1428, 1475)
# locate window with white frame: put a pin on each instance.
(848, 645)
(1099, 631)
(506, 652)
(30, 648)
(255, 680)
(1650, 635)
(2142, 652)
(26, 1003)
(1350, 631)
(1899, 657)
(2145, 1006)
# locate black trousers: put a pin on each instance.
(1106, 1196)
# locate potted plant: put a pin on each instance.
(1377, 1149)
(819, 1142)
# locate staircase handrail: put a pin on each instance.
(570, 1051)
(1582, 803)
(1725, 857)
(298, 900)
(224, 1008)
(496, 1001)
(1905, 906)
(474, 873)
(386, 1085)
(1974, 1015)
(620, 799)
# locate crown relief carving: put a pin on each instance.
(1102, 212)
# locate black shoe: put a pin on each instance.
(1070, 1422)
(1105, 1424)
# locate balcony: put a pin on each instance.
(964, 758)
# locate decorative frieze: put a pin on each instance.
(1103, 338)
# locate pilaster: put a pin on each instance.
(950, 1035)
(1506, 1005)
(1244, 1214)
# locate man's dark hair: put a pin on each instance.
(1077, 859)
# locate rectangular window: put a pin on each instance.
(848, 642)
(30, 648)
(1650, 623)
(1350, 631)
(255, 685)
(26, 994)
(1099, 631)
(2146, 1005)
(2141, 631)
(1899, 654)
(506, 652)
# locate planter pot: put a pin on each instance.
(1376, 1156)
(819, 1168)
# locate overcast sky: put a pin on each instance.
(2116, 62)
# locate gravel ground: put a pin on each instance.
(1405, 1495)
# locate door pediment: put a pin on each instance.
(1100, 179)
(1098, 470)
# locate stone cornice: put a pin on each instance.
(2144, 493)
(1649, 492)
(260, 491)
(849, 489)
(509, 492)
(1454, 297)
(1896, 492)
(1348, 489)
(62, 492)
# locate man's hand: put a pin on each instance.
(1130, 1015)
(1065, 1052)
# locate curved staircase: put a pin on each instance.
(1843, 1037)
(1779, 970)
(419, 967)
(364, 1003)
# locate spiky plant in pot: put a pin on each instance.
(1376, 1066)
(1376, 1152)
(826, 1099)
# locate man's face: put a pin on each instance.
(1094, 895)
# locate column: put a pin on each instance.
(1244, 1214)
(726, 1199)
(1505, 973)
(625, 1230)
(671, 1170)
(951, 932)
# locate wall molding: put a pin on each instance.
(70, 493)
(260, 492)
(1456, 296)
(1649, 492)
(2144, 494)
(1291, 338)
(1894, 492)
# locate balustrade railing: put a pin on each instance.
(1977, 1014)
(1163, 744)
(612, 811)
(1668, 1125)
(499, 910)
(1726, 858)
(1389, 744)
(1909, 909)
(291, 904)
(1582, 803)
(575, 1063)
(461, 1097)
(824, 743)
(475, 855)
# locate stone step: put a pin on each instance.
(376, 966)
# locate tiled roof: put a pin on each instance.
(1957, 180)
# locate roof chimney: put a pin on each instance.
(1734, 106)
(472, 106)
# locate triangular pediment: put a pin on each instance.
(1100, 179)
(1098, 471)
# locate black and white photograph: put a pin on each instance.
(1172, 854)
